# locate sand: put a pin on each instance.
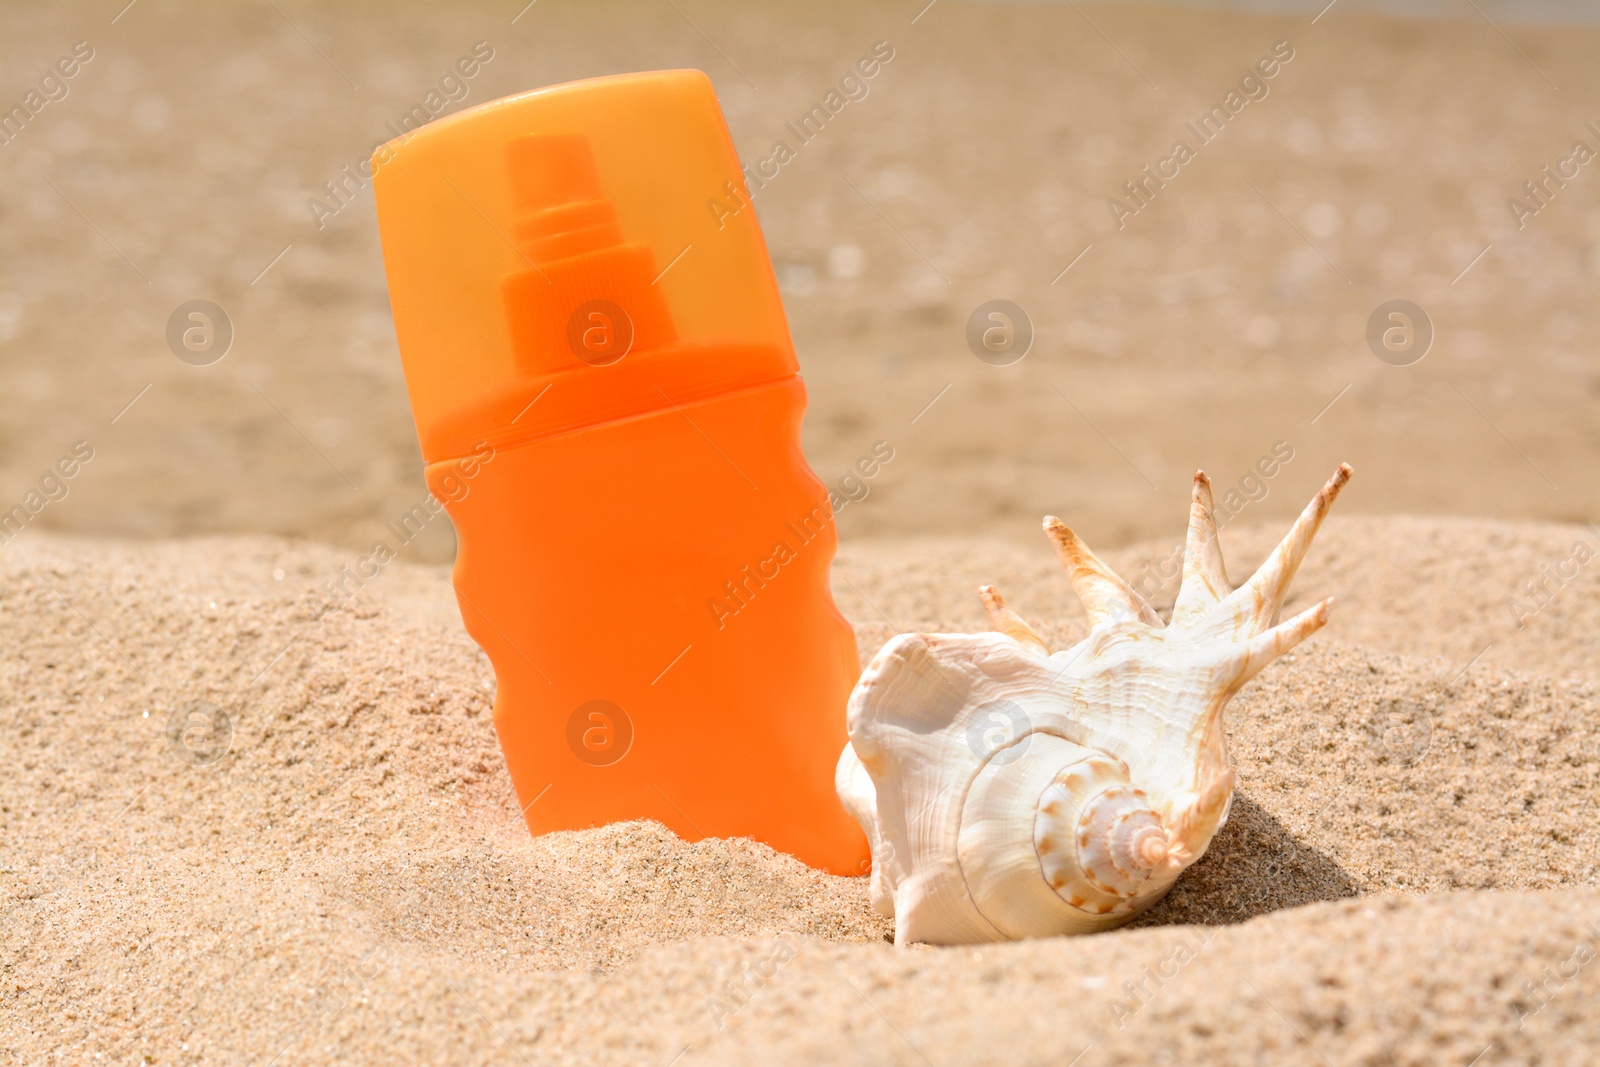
(1410, 874)
(1412, 850)
(978, 167)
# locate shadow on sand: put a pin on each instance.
(1252, 867)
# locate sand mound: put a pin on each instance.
(350, 881)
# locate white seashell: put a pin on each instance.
(1008, 792)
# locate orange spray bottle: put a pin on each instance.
(609, 406)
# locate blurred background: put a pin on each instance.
(1212, 318)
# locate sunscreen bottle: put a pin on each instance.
(609, 406)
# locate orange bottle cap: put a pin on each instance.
(574, 255)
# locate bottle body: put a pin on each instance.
(582, 292)
(653, 595)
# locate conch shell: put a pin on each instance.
(1008, 792)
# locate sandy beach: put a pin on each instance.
(334, 869)
(979, 165)
(1410, 857)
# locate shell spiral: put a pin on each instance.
(1008, 792)
(1088, 842)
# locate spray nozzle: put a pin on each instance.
(585, 296)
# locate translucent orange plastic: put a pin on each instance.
(609, 406)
